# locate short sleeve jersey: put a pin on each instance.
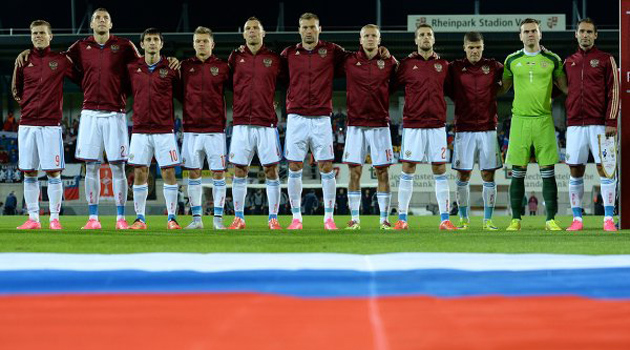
(532, 77)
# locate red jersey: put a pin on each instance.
(311, 76)
(254, 78)
(38, 87)
(104, 71)
(424, 82)
(203, 99)
(368, 87)
(593, 97)
(473, 88)
(153, 94)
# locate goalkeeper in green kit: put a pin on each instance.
(533, 71)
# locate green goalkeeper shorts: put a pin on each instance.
(526, 132)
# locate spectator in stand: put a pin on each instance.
(10, 125)
(342, 202)
(366, 202)
(11, 204)
(310, 203)
(532, 203)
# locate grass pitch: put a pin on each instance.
(423, 236)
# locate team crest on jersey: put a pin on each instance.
(115, 48)
(485, 69)
(594, 63)
(163, 72)
(322, 52)
(267, 62)
(544, 64)
(53, 65)
(214, 71)
(438, 67)
(380, 64)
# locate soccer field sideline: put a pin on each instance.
(423, 236)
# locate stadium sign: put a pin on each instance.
(485, 23)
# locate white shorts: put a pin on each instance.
(40, 147)
(198, 146)
(481, 147)
(580, 139)
(247, 139)
(146, 146)
(423, 145)
(102, 131)
(309, 132)
(360, 138)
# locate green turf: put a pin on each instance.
(423, 237)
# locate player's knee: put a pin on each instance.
(240, 171)
(271, 172)
(194, 174)
(464, 175)
(296, 166)
(325, 167)
(486, 175)
(168, 174)
(49, 173)
(438, 169)
(31, 173)
(382, 173)
(216, 175)
(578, 170)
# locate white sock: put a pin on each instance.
(194, 197)
(273, 197)
(442, 194)
(219, 188)
(170, 195)
(31, 196)
(140, 193)
(119, 185)
(489, 194)
(93, 187)
(608, 195)
(55, 193)
(239, 192)
(384, 202)
(576, 196)
(405, 191)
(329, 189)
(354, 201)
(463, 195)
(295, 193)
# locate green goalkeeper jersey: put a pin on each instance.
(532, 76)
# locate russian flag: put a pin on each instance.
(314, 301)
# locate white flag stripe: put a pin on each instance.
(225, 262)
